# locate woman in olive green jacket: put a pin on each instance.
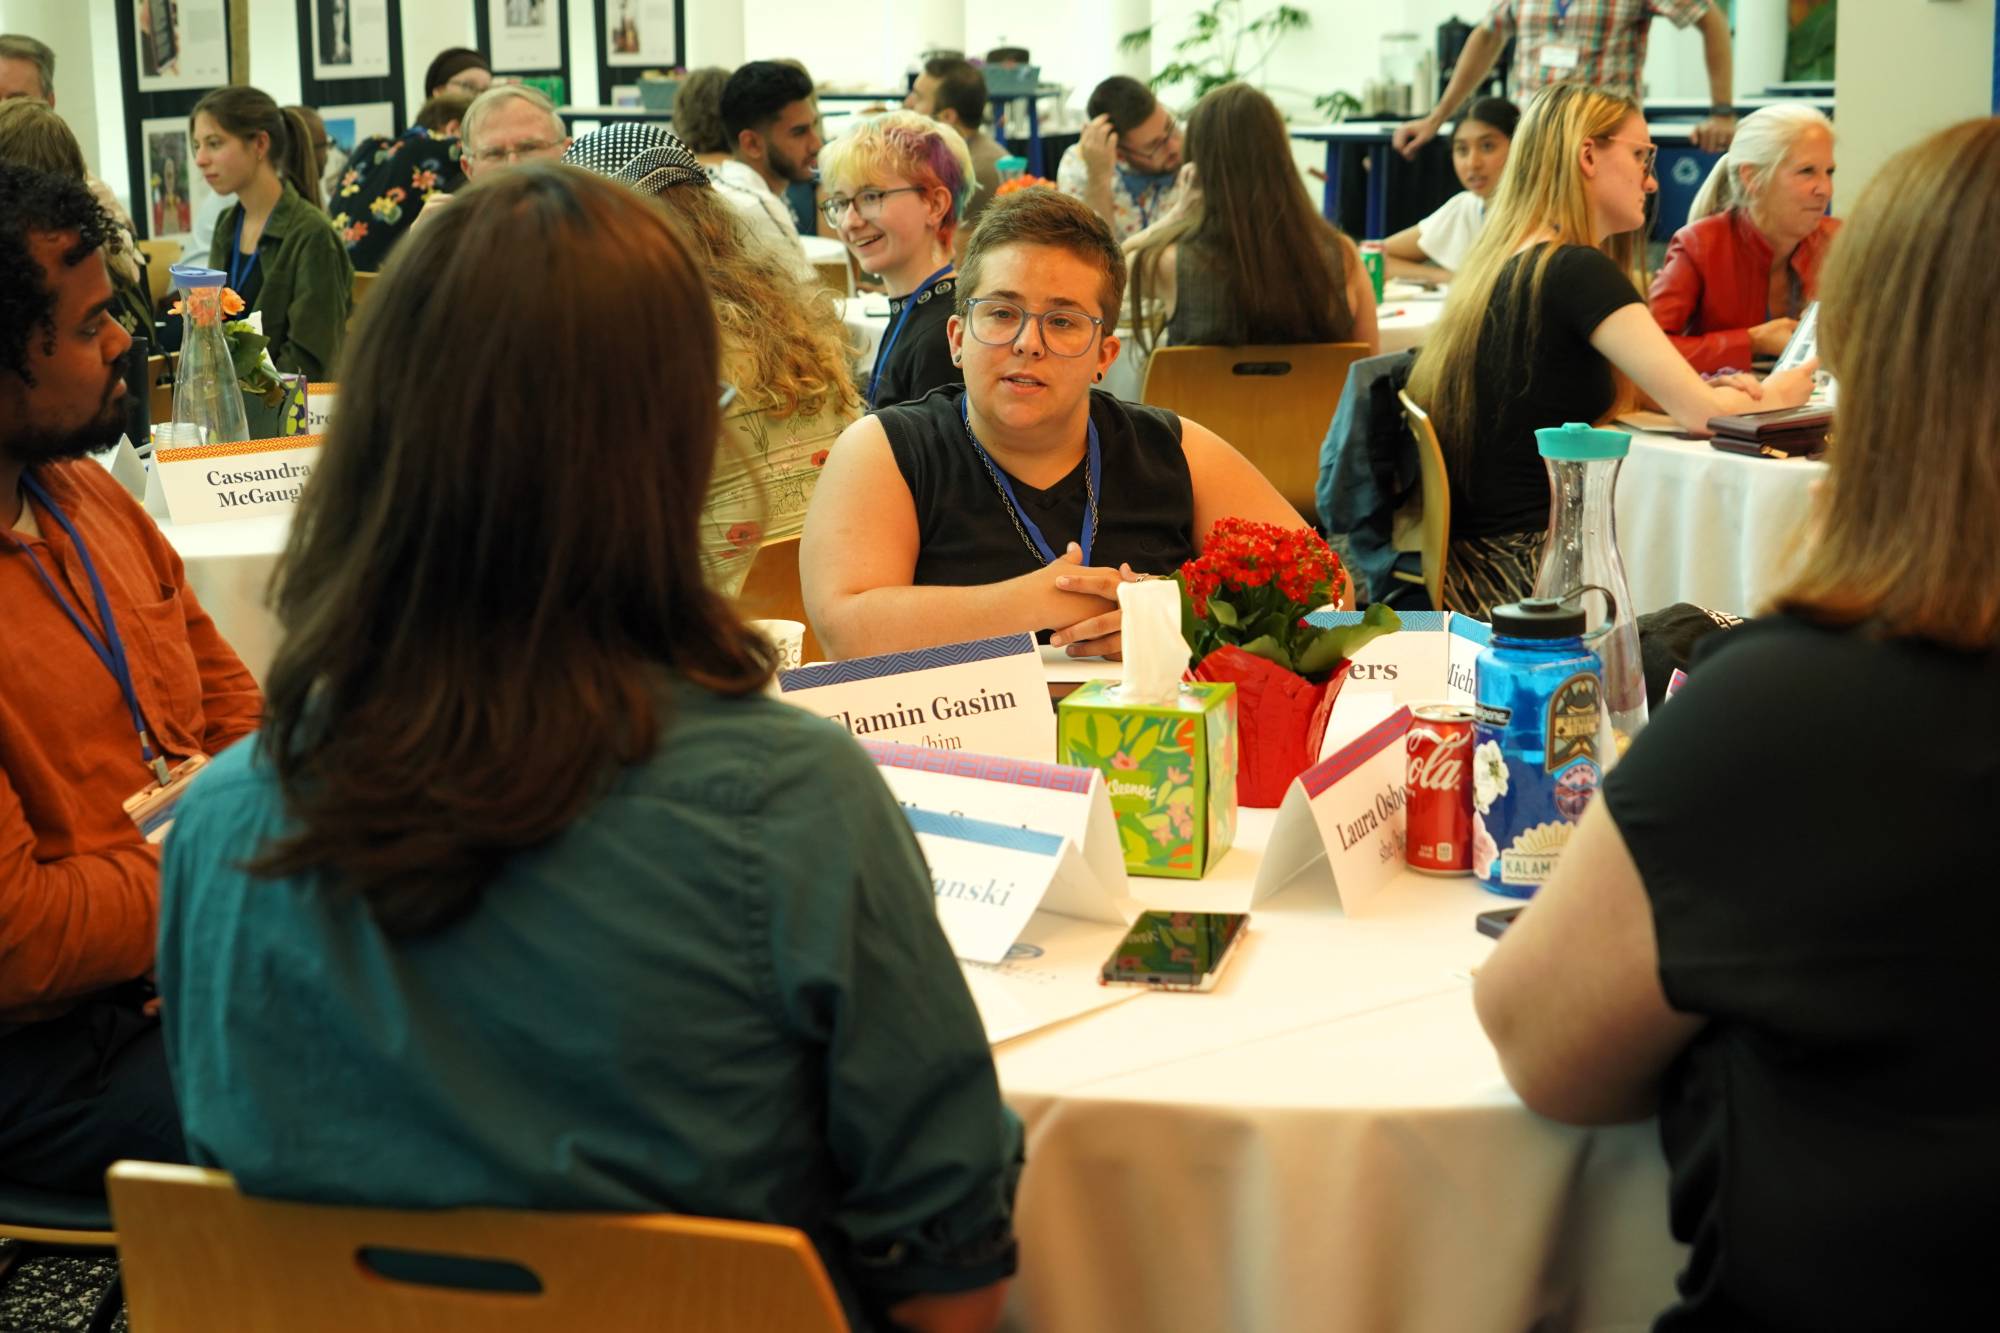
(281, 253)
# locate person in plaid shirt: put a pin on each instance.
(1583, 41)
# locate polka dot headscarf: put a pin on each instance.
(646, 157)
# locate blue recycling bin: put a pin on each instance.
(1681, 170)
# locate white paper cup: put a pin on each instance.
(787, 636)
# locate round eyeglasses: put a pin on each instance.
(867, 202)
(1064, 332)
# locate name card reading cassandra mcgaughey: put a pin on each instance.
(241, 479)
(990, 696)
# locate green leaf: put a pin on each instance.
(1133, 841)
(1104, 732)
(1137, 38)
(1329, 647)
(1223, 612)
(1156, 820)
(1180, 796)
(1269, 649)
(1148, 741)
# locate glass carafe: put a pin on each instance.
(1582, 557)
(208, 405)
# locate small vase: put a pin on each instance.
(1280, 720)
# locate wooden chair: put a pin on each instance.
(160, 255)
(1437, 503)
(771, 591)
(1272, 403)
(41, 1219)
(160, 388)
(198, 1255)
(836, 276)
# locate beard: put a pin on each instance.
(791, 168)
(38, 445)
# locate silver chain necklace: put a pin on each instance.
(1000, 487)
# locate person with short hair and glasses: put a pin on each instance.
(506, 124)
(1126, 165)
(895, 189)
(1023, 500)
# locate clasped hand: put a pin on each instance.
(1096, 635)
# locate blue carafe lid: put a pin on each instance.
(1578, 443)
(187, 277)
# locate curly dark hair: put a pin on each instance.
(33, 202)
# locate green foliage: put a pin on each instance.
(1221, 46)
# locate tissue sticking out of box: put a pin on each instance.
(1156, 656)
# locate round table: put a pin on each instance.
(1696, 524)
(229, 566)
(1325, 1141)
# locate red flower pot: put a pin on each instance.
(1280, 720)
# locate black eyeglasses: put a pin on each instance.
(867, 202)
(1064, 332)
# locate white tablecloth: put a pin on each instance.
(1699, 525)
(229, 566)
(1324, 1142)
(867, 320)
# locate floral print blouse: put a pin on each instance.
(386, 183)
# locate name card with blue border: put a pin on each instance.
(989, 879)
(1051, 798)
(989, 696)
(1348, 811)
(1428, 661)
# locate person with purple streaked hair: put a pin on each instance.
(896, 189)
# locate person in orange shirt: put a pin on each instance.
(111, 676)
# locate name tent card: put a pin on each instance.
(319, 407)
(989, 879)
(988, 696)
(1348, 809)
(1068, 802)
(243, 479)
(1429, 660)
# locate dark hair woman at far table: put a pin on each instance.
(1545, 325)
(1775, 927)
(1020, 502)
(525, 885)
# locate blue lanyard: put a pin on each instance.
(1144, 202)
(110, 649)
(1562, 14)
(895, 332)
(237, 277)
(1093, 477)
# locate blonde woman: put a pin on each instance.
(784, 353)
(1545, 325)
(1795, 982)
(1741, 271)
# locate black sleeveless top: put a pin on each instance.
(921, 359)
(1145, 504)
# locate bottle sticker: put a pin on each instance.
(1495, 715)
(1574, 712)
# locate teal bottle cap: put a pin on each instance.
(1578, 443)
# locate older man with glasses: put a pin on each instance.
(504, 125)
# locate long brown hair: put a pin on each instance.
(1542, 190)
(244, 113)
(1906, 520)
(492, 574)
(1255, 224)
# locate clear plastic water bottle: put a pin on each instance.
(1582, 556)
(1535, 742)
(208, 404)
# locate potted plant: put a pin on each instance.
(1244, 602)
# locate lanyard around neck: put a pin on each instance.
(110, 649)
(896, 331)
(1562, 14)
(240, 269)
(1023, 523)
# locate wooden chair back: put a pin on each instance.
(1273, 403)
(160, 388)
(160, 255)
(835, 276)
(358, 292)
(771, 591)
(196, 1255)
(42, 1217)
(1437, 499)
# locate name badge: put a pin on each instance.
(206, 483)
(319, 407)
(1068, 802)
(988, 696)
(152, 806)
(1347, 810)
(988, 879)
(1558, 56)
(1430, 660)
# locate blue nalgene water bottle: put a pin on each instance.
(1535, 764)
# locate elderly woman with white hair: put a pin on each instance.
(1737, 276)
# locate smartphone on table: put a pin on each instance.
(1495, 923)
(1175, 950)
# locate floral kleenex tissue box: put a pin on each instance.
(1170, 770)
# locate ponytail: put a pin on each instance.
(1761, 142)
(245, 112)
(1720, 192)
(294, 160)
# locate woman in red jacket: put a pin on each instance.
(1737, 276)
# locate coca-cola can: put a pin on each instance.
(1438, 837)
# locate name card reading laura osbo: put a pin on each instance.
(244, 479)
(990, 696)
(1348, 810)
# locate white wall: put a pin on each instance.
(429, 26)
(1905, 70)
(81, 72)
